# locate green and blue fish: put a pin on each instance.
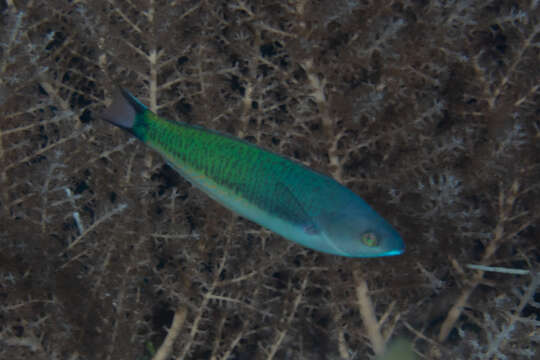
(280, 194)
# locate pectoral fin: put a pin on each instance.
(291, 208)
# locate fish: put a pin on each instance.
(300, 204)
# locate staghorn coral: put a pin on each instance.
(429, 110)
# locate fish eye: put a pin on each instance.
(369, 239)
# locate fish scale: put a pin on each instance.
(283, 195)
(232, 164)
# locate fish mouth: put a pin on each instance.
(393, 252)
(396, 247)
(397, 250)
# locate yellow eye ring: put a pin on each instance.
(369, 239)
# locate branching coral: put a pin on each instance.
(426, 109)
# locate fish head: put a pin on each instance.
(359, 232)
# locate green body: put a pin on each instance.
(292, 200)
(249, 180)
(226, 167)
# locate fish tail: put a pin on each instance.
(124, 110)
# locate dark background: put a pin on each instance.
(427, 109)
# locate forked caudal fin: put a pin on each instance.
(123, 110)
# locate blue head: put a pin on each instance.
(356, 230)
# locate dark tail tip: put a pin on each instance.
(123, 110)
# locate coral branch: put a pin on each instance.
(368, 316)
(97, 223)
(506, 204)
(178, 321)
(278, 339)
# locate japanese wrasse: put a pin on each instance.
(282, 195)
